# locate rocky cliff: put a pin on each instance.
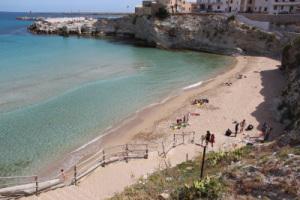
(290, 107)
(210, 33)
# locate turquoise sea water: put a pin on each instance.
(58, 93)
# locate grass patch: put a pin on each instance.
(183, 181)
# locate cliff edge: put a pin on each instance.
(290, 107)
(209, 33)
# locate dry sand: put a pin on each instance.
(252, 98)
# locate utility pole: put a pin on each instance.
(203, 161)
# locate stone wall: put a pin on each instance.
(276, 19)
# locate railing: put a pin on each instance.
(29, 185)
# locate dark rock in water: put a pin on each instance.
(30, 18)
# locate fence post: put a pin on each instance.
(174, 141)
(103, 158)
(126, 153)
(36, 185)
(187, 157)
(147, 152)
(203, 162)
(75, 175)
(163, 148)
(193, 141)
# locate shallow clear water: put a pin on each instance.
(58, 93)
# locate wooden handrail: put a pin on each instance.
(101, 158)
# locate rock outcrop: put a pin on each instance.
(64, 26)
(290, 107)
(210, 33)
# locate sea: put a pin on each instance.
(58, 93)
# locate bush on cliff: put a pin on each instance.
(208, 188)
(231, 18)
(162, 13)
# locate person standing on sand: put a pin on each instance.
(207, 137)
(267, 134)
(202, 139)
(242, 126)
(212, 140)
(264, 128)
(236, 128)
(63, 176)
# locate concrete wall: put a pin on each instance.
(277, 19)
(258, 24)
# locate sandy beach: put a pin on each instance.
(256, 84)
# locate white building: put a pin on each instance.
(251, 6)
(284, 6)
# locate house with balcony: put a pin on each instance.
(180, 6)
(149, 8)
(285, 7)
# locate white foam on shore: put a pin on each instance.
(92, 141)
(193, 85)
(123, 122)
(129, 118)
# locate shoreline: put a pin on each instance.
(257, 83)
(115, 134)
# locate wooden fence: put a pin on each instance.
(12, 187)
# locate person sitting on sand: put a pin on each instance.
(179, 121)
(212, 140)
(207, 137)
(228, 132)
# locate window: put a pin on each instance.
(218, 7)
(250, 1)
(282, 7)
(275, 7)
(266, 9)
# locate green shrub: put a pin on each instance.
(216, 158)
(296, 42)
(209, 188)
(162, 13)
(231, 18)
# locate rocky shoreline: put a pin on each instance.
(208, 33)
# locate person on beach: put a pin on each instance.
(236, 128)
(242, 126)
(202, 139)
(207, 137)
(267, 134)
(63, 176)
(212, 140)
(228, 132)
(264, 128)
